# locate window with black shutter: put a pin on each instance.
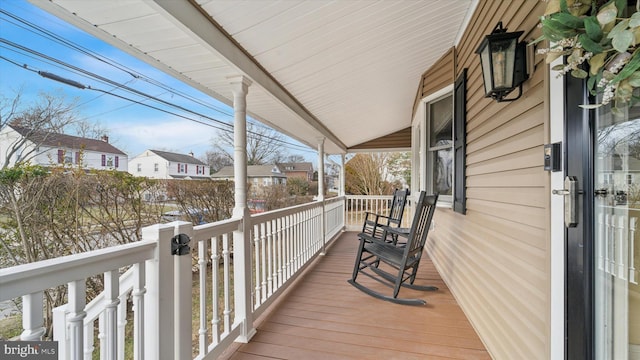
(459, 143)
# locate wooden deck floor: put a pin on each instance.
(324, 317)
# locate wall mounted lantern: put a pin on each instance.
(503, 60)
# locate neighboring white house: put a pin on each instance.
(156, 164)
(50, 149)
(260, 175)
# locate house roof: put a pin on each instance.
(178, 158)
(343, 71)
(194, 177)
(252, 171)
(67, 141)
(297, 166)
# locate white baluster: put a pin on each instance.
(269, 256)
(88, 338)
(226, 255)
(202, 268)
(77, 302)
(601, 244)
(111, 301)
(622, 243)
(289, 244)
(122, 323)
(215, 286)
(608, 242)
(633, 222)
(256, 252)
(32, 317)
(138, 292)
(263, 256)
(280, 252)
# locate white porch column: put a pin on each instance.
(342, 191)
(323, 221)
(240, 89)
(241, 240)
(320, 169)
(342, 176)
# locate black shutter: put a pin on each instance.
(460, 143)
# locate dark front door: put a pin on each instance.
(602, 150)
(578, 247)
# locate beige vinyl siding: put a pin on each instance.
(397, 140)
(440, 75)
(495, 259)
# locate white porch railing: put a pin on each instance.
(161, 288)
(359, 205)
(616, 250)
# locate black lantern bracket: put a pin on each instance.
(503, 59)
(180, 245)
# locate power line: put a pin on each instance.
(38, 30)
(76, 84)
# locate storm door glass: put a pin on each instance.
(617, 243)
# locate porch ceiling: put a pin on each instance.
(344, 70)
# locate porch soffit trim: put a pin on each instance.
(191, 16)
(396, 141)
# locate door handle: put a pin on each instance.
(570, 193)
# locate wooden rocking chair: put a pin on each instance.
(405, 259)
(374, 224)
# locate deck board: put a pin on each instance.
(324, 317)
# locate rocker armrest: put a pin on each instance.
(379, 219)
(397, 230)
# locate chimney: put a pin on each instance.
(191, 153)
(105, 138)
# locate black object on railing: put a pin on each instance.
(180, 245)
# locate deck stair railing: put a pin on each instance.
(159, 287)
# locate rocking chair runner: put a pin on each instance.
(374, 224)
(405, 259)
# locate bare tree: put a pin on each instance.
(295, 158)
(366, 174)
(48, 213)
(264, 145)
(48, 114)
(202, 201)
(216, 160)
(90, 130)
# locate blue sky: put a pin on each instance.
(132, 127)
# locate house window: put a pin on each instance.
(139, 167)
(156, 167)
(608, 178)
(440, 146)
(110, 161)
(629, 179)
(445, 144)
